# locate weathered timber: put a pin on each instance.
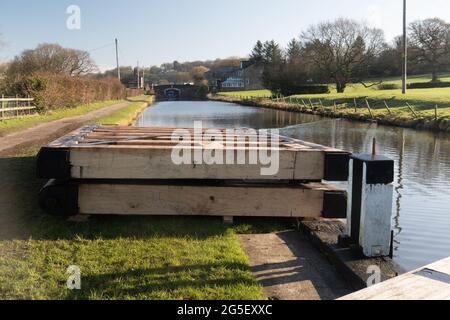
(146, 153)
(431, 282)
(205, 199)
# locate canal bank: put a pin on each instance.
(363, 114)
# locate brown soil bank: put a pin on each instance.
(422, 123)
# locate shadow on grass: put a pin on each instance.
(181, 282)
(21, 217)
(18, 195)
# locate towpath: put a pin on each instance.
(43, 133)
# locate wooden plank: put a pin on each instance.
(18, 109)
(16, 99)
(146, 153)
(144, 163)
(121, 199)
(427, 283)
(122, 134)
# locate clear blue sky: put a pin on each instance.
(157, 31)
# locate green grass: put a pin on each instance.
(423, 100)
(126, 116)
(119, 257)
(139, 98)
(128, 258)
(13, 125)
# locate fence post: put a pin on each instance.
(3, 106)
(304, 104)
(387, 107)
(436, 113)
(356, 105)
(335, 106)
(370, 203)
(17, 106)
(368, 107)
(321, 104)
(410, 108)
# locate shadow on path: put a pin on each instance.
(290, 268)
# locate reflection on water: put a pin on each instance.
(421, 216)
(182, 114)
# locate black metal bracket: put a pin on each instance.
(59, 198)
(334, 205)
(53, 163)
(337, 166)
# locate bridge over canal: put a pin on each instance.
(179, 92)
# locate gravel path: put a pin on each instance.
(49, 131)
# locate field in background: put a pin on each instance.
(422, 100)
(440, 96)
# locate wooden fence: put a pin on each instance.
(16, 107)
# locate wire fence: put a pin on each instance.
(357, 105)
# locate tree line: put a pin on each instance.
(55, 59)
(342, 52)
(174, 72)
(345, 51)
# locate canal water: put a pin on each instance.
(421, 215)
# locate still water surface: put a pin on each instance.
(421, 215)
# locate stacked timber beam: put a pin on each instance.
(130, 171)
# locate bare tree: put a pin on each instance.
(430, 43)
(51, 58)
(342, 50)
(198, 74)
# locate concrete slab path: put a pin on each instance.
(290, 268)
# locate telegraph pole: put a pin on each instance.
(405, 51)
(143, 77)
(117, 59)
(138, 78)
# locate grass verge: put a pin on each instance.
(128, 115)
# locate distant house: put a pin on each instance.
(248, 77)
(218, 76)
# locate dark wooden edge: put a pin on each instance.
(53, 163)
(59, 198)
(380, 169)
(336, 166)
(273, 184)
(334, 205)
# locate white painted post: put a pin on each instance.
(369, 213)
(3, 106)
